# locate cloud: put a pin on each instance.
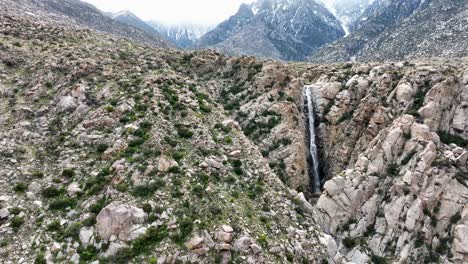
(175, 11)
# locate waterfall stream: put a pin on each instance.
(309, 111)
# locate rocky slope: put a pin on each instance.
(432, 28)
(78, 13)
(287, 30)
(114, 152)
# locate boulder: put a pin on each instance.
(66, 104)
(118, 219)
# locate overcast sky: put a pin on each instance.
(175, 11)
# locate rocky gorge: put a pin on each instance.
(115, 152)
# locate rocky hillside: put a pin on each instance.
(286, 30)
(397, 30)
(116, 152)
(78, 13)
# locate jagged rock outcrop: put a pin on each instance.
(396, 163)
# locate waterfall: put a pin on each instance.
(309, 111)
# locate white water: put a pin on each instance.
(312, 140)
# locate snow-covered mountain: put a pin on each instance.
(347, 11)
(183, 35)
(280, 29)
(403, 29)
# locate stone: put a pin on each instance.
(223, 247)
(222, 236)
(35, 187)
(56, 247)
(4, 213)
(85, 235)
(460, 243)
(165, 163)
(256, 249)
(231, 124)
(66, 103)
(227, 229)
(118, 219)
(214, 163)
(114, 247)
(136, 232)
(404, 93)
(73, 189)
(196, 242)
(242, 244)
(207, 239)
(235, 154)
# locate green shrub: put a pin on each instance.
(101, 148)
(198, 191)
(54, 226)
(349, 242)
(151, 237)
(17, 222)
(448, 138)
(263, 240)
(90, 221)
(68, 173)
(408, 157)
(37, 174)
(174, 169)
(379, 260)
(122, 187)
(73, 230)
(40, 258)
(87, 254)
(393, 170)
(51, 192)
(145, 190)
(20, 187)
(183, 131)
(61, 204)
(147, 208)
(97, 207)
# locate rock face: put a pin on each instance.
(118, 220)
(396, 162)
(287, 30)
(380, 31)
